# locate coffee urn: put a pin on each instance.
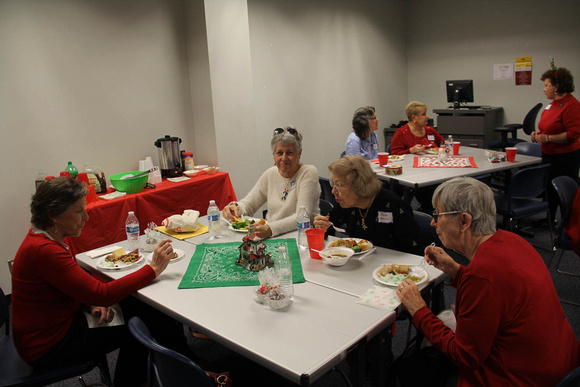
(169, 156)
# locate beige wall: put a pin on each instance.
(463, 40)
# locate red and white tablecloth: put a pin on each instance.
(451, 162)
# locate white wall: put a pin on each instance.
(463, 40)
(85, 81)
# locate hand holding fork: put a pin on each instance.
(423, 265)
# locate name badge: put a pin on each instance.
(375, 146)
(292, 185)
(430, 137)
(385, 217)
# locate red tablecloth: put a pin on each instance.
(106, 222)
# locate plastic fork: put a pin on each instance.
(342, 230)
(423, 263)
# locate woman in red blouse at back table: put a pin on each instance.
(559, 129)
(416, 136)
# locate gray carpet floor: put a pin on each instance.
(566, 286)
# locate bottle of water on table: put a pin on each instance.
(213, 221)
(303, 222)
(283, 264)
(132, 229)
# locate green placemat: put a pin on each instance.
(214, 265)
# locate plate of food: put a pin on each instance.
(396, 157)
(120, 259)
(360, 246)
(394, 274)
(241, 225)
(434, 151)
(178, 255)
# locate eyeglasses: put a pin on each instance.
(334, 184)
(436, 215)
(373, 118)
(292, 131)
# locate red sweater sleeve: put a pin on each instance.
(478, 322)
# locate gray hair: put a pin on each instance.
(287, 139)
(54, 197)
(361, 121)
(466, 194)
(356, 171)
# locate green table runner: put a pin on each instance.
(214, 265)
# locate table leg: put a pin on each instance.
(357, 361)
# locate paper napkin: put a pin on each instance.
(379, 297)
(184, 235)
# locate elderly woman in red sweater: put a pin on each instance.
(50, 292)
(415, 136)
(511, 329)
(559, 129)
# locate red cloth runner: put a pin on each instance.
(106, 222)
(451, 162)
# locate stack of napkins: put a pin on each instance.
(177, 179)
(113, 195)
(379, 297)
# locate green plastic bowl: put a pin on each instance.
(131, 185)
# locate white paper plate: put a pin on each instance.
(118, 266)
(413, 270)
(180, 255)
(356, 239)
(241, 230)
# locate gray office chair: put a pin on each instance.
(529, 125)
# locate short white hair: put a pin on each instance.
(466, 194)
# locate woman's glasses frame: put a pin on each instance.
(436, 215)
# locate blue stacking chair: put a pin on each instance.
(571, 380)
(166, 367)
(566, 188)
(16, 372)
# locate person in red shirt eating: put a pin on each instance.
(50, 292)
(415, 136)
(559, 129)
(511, 329)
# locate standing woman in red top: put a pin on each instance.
(415, 136)
(559, 129)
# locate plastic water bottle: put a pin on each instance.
(449, 143)
(39, 179)
(213, 220)
(132, 229)
(283, 264)
(442, 151)
(303, 222)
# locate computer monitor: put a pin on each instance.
(459, 91)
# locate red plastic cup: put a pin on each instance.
(65, 174)
(383, 158)
(315, 238)
(92, 195)
(82, 176)
(510, 154)
(456, 146)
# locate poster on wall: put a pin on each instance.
(503, 71)
(523, 70)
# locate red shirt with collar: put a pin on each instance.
(49, 288)
(404, 139)
(562, 115)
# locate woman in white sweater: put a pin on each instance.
(285, 187)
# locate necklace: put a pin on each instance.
(363, 217)
(286, 190)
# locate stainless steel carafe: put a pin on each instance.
(169, 156)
